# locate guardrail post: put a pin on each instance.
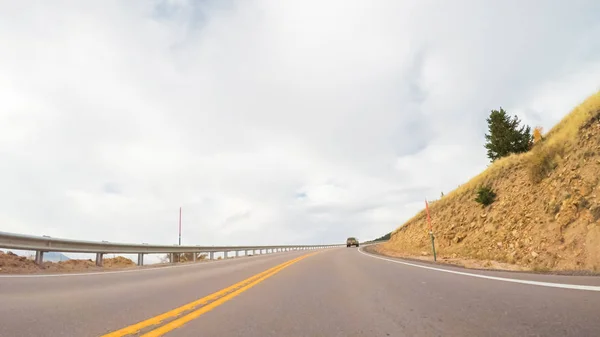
(140, 259)
(99, 257)
(39, 257)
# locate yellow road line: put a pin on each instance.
(156, 320)
(179, 322)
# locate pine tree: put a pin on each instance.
(506, 136)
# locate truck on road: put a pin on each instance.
(351, 242)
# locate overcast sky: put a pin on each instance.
(267, 121)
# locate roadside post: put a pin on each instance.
(430, 231)
(180, 226)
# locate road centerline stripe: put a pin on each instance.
(495, 278)
(179, 322)
(209, 299)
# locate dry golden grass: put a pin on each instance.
(566, 130)
(547, 155)
(543, 161)
(537, 134)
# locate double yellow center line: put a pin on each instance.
(188, 312)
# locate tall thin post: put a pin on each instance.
(180, 226)
(431, 231)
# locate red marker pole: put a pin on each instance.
(430, 231)
(180, 226)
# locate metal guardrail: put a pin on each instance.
(42, 244)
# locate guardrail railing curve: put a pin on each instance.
(43, 244)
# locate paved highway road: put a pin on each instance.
(336, 292)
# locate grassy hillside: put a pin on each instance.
(546, 213)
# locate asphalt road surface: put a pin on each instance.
(334, 292)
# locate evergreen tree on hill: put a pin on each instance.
(506, 135)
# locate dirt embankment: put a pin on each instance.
(12, 263)
(546, 215)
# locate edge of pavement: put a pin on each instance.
(439, 263)
(438, 268)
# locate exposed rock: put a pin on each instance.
(459, 237)
(595, 212)
(534, 254)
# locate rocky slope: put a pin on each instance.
(546, 214)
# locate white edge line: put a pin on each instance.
(197, 264)
(535, 283)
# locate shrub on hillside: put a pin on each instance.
(485, 195)
(506, 135)
(537, 134)
(543, 161)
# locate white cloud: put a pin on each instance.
(268, 121)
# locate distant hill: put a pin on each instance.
(55, 257)
(384, 238)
